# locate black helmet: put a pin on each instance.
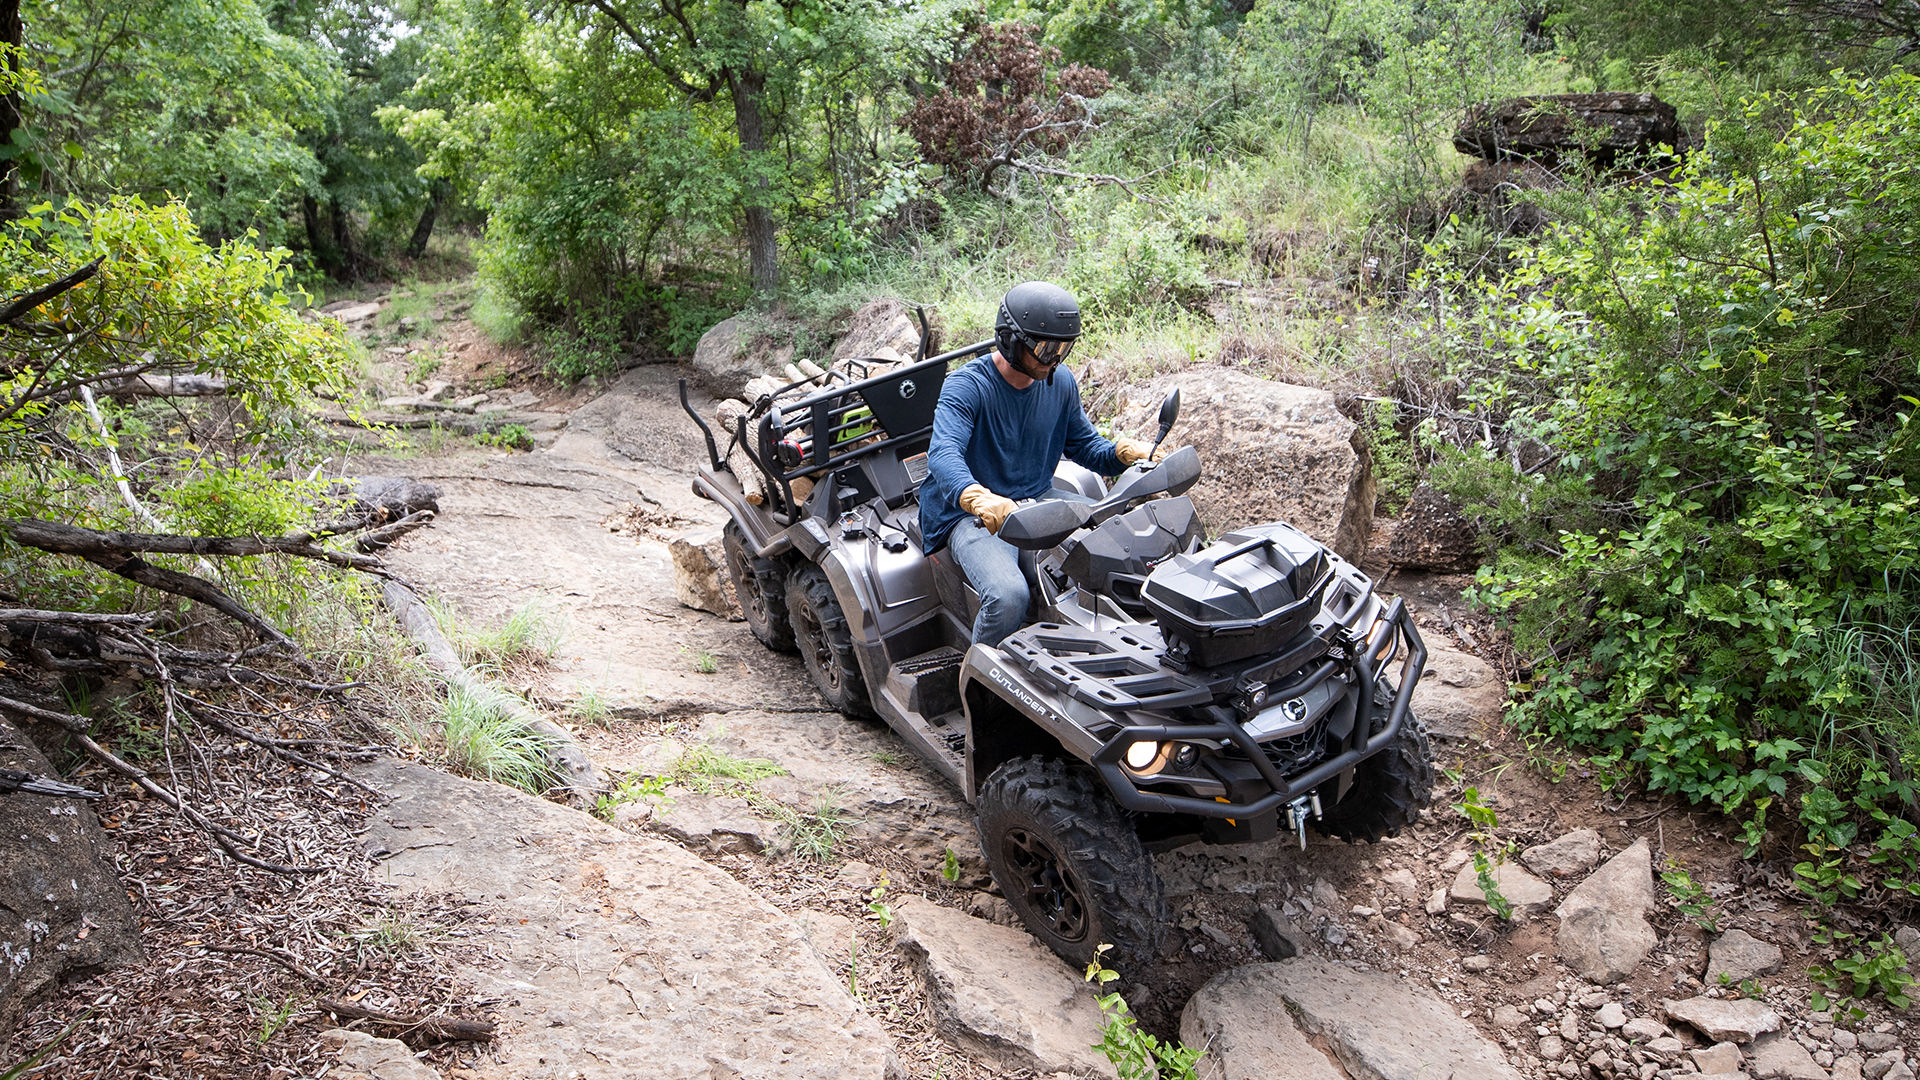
(1035, 312)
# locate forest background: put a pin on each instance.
(1679, 410)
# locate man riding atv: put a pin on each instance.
(1002, 426)
(1094, 673)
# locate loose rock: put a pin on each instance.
(1430, 534)
(885, 330)
(1739, 1021)
(1604, 934)
(1611, 1015)
(376, 1059)
(1721, 1057)
(1528, 894)
(700, 572)
(1778, 1057)
(1401, 881)
(719, 824)
(1641, 1029)
(1000, 993)
(1543, 127)
(1568, 856)
(1276, 935)
(1737, 955)
(1459, 694)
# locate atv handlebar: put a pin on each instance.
(1127, 792)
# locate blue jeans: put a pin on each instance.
(992, 567)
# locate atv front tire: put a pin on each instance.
(1389, 789)
(826, 645)
(1070, 862)
(760, 586)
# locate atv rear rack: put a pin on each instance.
(1379, 648)
(836, 426)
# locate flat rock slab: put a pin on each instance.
(615, 955)
(1780, 1057)
(1604, 934)
(1234, 1019)
(1738, 1021)
(1460, 696)
(1380, 1028)
(368, 1058)
(1000, 993)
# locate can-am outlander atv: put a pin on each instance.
(1164, 689)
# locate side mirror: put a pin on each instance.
(1169, 412)
(1042, 525)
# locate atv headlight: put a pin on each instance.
(1141, 754)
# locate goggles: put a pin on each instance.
(1048, 351)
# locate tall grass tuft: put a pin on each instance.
(481, 737)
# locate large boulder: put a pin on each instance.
(883, 330)
(612, 955)
(1377, 1026)
(1604, 127)
(1604, 933)
(1269, 452)
(1430, 534)
(736, 350)
(1000, 994)
(63, 913)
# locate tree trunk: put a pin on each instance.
(763, 250)
(343, 239)
(12, 33)
(318, 245)
(423, 229)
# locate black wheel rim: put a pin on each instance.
(1048, 888)
(818, 653)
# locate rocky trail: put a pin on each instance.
(831, 915)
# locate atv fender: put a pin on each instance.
(1007, 717)
(767, 537)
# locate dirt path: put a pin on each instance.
(579, 527)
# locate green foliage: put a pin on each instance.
(507, 437)
(1879, 970)
(1703, 391)
(1135, 1054)
(1689, 899)
(950, 867)
(632, 789)
(529, 634)
(877, 907)
(481, 736)
(1137, 262)
(1488, 851)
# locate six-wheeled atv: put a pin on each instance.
(1166, 688)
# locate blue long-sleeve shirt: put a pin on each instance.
(986, 432)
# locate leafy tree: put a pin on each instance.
(1707, 390)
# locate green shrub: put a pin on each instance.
(1136, 263)
(1703, 393)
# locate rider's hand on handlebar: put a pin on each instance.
(1132, 450)
(991, 509)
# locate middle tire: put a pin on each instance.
(1069, 861)
(826, 644)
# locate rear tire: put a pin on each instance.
(1389, 789)
(760, 587)
(1070, 863)
(826, 645)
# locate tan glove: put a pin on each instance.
(1132, 450)
(991, 509)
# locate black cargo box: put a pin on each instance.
(1243, 595)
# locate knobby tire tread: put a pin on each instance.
(754, 576)
(1389, 789)
(808, 592)
(1071, 806)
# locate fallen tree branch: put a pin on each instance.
(26, 302)
(78, 728)
(79, 618)
(170, 386)
(436, 1028)
(387, 534)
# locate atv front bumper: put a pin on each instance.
(1387, 635)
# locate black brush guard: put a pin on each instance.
(1394, 625)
